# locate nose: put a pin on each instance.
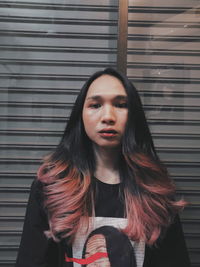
(108, 115)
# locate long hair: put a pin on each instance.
(147, 189)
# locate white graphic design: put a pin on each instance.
(96, 222)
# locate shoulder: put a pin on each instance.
(37, 193)
(37, 187)
(170, 250)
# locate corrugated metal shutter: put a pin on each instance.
(48, 48)
(163, 62)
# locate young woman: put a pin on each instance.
(104, 172)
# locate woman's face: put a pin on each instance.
(105, 111)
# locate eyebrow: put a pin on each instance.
(99, 97)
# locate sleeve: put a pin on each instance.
(35, 249)
(171, 251)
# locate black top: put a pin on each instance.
(38, 251)
(107, 200)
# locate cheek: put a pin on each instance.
(88, 123)
(89, 118)
(124, 118)
(85, 118)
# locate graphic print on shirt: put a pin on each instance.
(104, 245)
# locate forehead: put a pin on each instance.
(106, 85)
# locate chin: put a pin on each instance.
(110, 145)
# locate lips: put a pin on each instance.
(108, 133)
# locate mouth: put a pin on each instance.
(108, 133)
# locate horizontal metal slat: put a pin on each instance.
(44, 34)
(27, 160)
(39, 131)
(54, 63)
(53, 118)
(163, 24)
(59, 49)
(60, 6)
(59, 21)
(158, 9)
(166, 52)
(163, 38)
(41, 145)
(147, 107)
(165, 80)
(163, 66)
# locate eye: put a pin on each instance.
(95, 105)
(121, 105)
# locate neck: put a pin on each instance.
(107, 161)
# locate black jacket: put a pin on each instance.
(38, 251)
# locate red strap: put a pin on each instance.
(88, 260)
